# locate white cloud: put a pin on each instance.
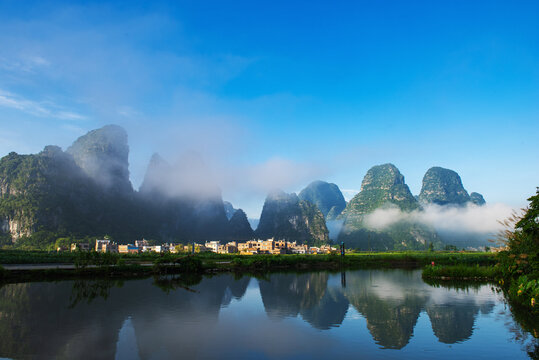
(24, 64)
(40, 109)
(280, 173)
(467, 219)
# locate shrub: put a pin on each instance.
(521, 237)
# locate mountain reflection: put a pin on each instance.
(171, 317)
(306, 294)
(391, 302)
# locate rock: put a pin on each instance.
(382, 188)
(443, 186)
(157, 173)
(183, 201)
(103, 155)
(326, 196)
(477, 199)
(285, 216)
(239, 227)
(229, 209)
(382, 185)
(48, 192)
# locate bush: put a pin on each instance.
(519, 263)
(521, 238)
(525, 291)
(461, 272)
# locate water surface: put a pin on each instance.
(368, 314)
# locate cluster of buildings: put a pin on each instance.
(106, 245)
(250, 247)
(270, 246)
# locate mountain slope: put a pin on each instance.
(383, 187)
(326, 196)
(285, 216)
(103, 155)
(239, 227)
(443, 186)
(48, 192)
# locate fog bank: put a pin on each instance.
(470, 219)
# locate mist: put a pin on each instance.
(456, 223)
(334, 228)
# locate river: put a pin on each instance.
(366, 314)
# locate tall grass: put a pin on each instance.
(462, 272)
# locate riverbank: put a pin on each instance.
(72, 265)
(522, 291)
(437, 266)
(462, 273)
(416, 257)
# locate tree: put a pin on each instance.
(63, 242)
(521, 237)
(529, 223)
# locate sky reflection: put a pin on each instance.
(390, 313)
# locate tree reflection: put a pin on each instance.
(526, 333)
(170, 283)
(88, 290)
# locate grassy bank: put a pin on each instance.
(354, 261)
(409, 258)
(111, 265)
(186, 265)
(66, 257)
(462, 272)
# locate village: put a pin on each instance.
(251, 247)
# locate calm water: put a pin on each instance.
(365, 314)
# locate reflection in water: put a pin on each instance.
(174, 282)
(171, 317)
(306, 294)
(88, 290)
(390, 304)
(127, 348)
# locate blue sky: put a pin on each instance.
(278, 93)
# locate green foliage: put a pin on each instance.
(520, 262)
(529, 224)
(189, 264)
(400, 236)
(63, 242)
(462, 272)
(40, 240)
(522, 242)
(525, 287)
